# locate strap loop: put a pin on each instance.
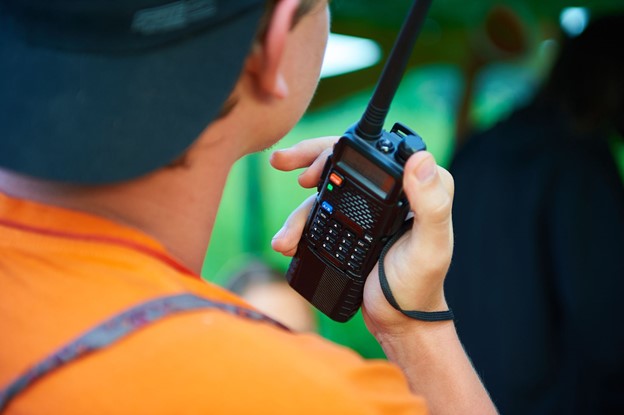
(385, 287)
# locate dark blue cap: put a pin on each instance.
(102, 91)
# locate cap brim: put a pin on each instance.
(89, 118)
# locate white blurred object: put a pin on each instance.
(574, 20)
(346, 54)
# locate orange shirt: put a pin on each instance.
(62, 272)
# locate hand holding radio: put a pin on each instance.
(417, 263)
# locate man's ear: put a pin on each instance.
(266, 58)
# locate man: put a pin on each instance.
(110, 188)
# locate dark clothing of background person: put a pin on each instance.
(537, 277)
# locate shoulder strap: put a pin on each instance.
(116, 328)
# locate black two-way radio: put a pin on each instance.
(360, 203)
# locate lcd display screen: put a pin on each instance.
(359, 165)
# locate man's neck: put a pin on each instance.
(176, 205)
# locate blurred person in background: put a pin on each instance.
(538, 269)
(266, 288)
(119, 123)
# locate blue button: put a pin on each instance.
(327, 207)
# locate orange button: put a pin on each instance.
(335, 179)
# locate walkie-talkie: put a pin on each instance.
(360, 203)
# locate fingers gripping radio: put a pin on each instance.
(360, 205)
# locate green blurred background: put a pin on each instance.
(258, 199)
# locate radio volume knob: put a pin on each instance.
(385, 146)
(409, 145)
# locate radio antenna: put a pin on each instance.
(371, 124)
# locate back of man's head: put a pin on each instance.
(94, 91)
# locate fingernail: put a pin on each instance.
(426, 170)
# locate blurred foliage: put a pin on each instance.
(449, 35)
(451, 14)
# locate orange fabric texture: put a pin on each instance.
(62, 272)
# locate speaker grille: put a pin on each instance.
(329, 289)
(356, 207)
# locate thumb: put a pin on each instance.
(417, 264)
(429, 189)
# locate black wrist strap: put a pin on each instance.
(385, 287)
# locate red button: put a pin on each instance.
(335, 179)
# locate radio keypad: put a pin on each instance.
(361, 243)
(353, 266)
(316, 238)
(318, 228)
(341, 243)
